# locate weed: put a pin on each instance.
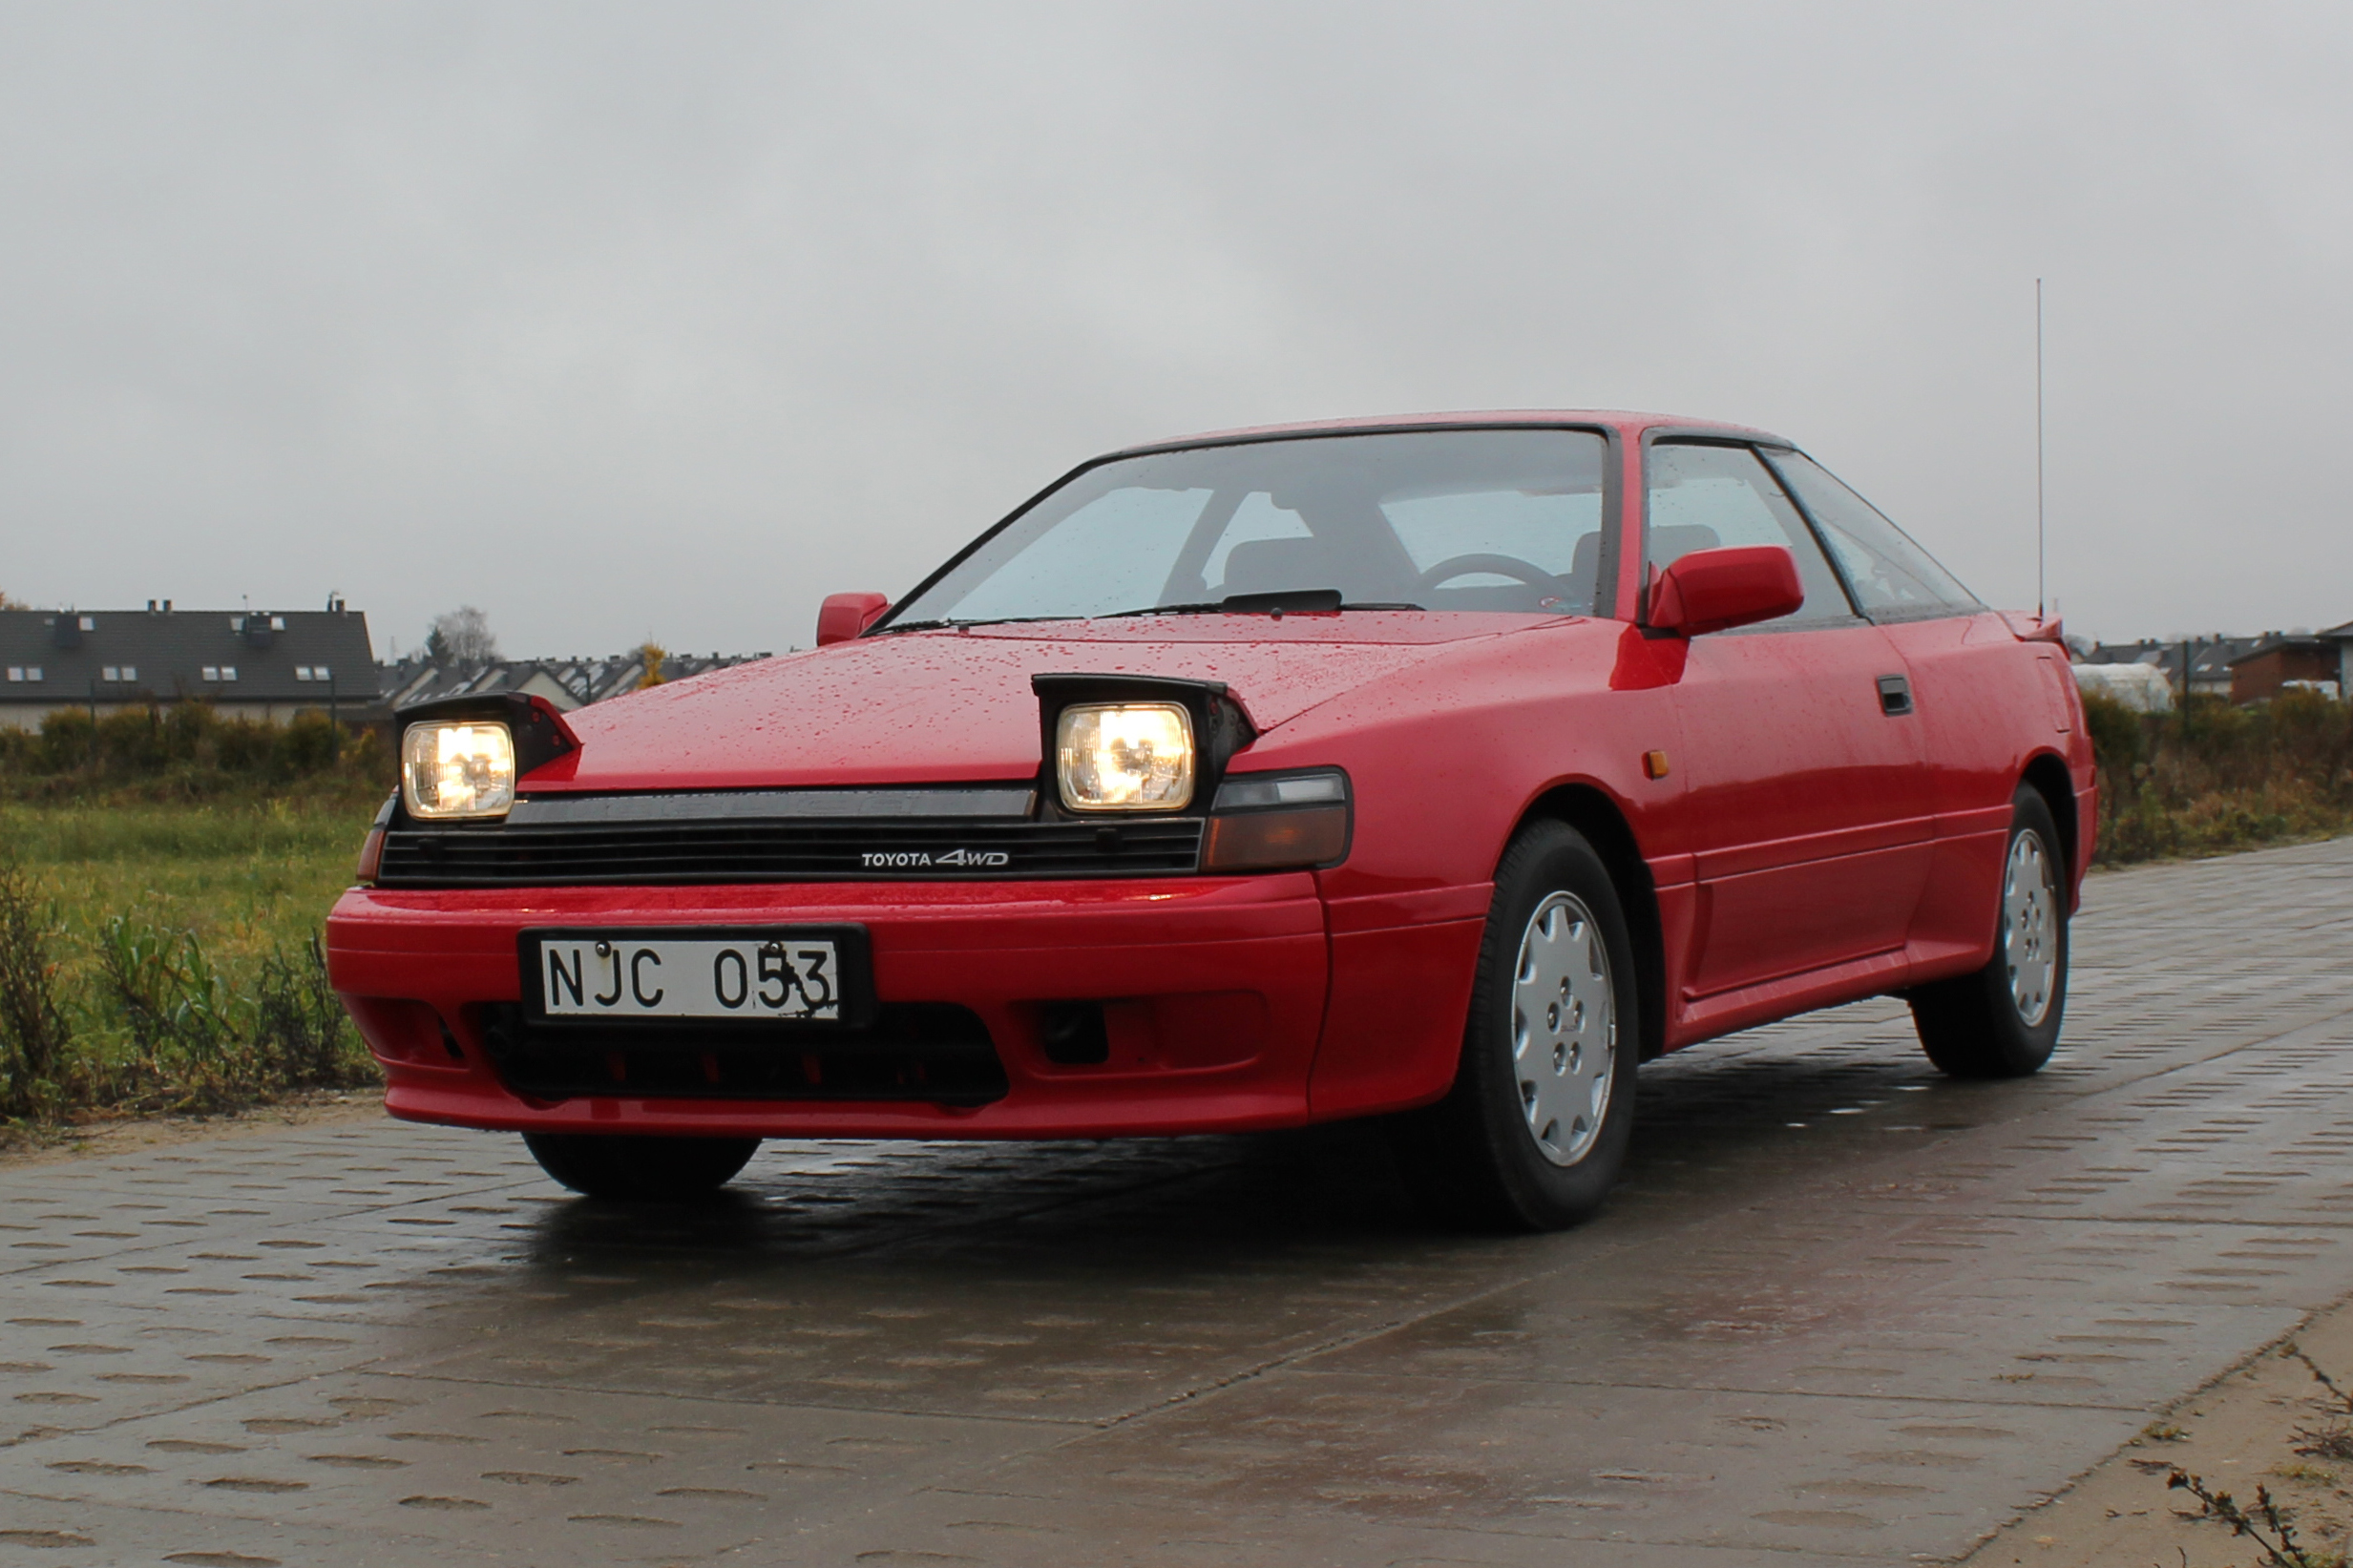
(2267, 1525)
(2215, 777)
(2333, 1437)
(299, 1028)
(34, 1037)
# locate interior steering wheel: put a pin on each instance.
(1508, 566)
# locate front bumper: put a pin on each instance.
(1214, 992)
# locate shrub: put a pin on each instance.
(67, 741)
(311, 743)
(34, 1037)
(299, 1028)
(2213, 777)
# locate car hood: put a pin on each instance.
(951, 706)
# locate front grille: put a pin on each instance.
(920, 1051)
(734, 850)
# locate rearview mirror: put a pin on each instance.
(1713, 589)
(843, 615)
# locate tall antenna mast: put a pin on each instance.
(2038, 449)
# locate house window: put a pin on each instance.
(16, 672)
(301, 672)
(89, 623)
(211, 672)
(228, 672)
(32, 671)
(320, 671)
(130, 672)
(110, 672)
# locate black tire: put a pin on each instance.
(1478, 1152)
(634, 1166)
(1986, 1025)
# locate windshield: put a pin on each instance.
(1426, 519)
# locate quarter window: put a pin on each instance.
(1893, 578)
(1710, 497)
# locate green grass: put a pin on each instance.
(171, 950)
(241, 877)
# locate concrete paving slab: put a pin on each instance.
(1841, 1311)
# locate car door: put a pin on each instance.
(1982, 702)
(1808, 799)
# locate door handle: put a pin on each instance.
(1895, 695)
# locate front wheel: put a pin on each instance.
(628, 1165)
(1536, 1128)
(2002, 1022)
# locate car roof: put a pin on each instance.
(1625, 422)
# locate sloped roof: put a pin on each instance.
(268, 656)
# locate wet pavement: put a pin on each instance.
(1841, 1311)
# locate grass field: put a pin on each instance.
(163, 879)
(177, 943)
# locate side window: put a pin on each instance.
(1706, 497)
(1893, 578)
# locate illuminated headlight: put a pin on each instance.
(1125, 756)
(457, 770)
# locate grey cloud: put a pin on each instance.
(623, 320)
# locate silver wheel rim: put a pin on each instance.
(1564, 1029)
(2029, 928)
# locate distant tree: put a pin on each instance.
(7, 604)
(462, 635)
(651, 657)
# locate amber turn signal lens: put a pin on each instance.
(1267, 841)
(371, 857)
(1654, 764)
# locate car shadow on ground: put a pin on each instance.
(1723, 1123)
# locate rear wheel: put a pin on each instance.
(2002, 1022)
(1536, 1128)
(627, 1165)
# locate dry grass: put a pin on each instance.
(2217, 778)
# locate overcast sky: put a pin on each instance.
(666, 320)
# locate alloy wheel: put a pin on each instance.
(1563, 1028)
(2029, 928)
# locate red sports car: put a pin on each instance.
(1440, 770)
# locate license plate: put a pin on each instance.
(787, 974)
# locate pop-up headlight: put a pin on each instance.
(1125, 756)
(460, 769)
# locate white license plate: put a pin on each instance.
(623, 975)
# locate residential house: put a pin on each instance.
(267, 664)
(567, 683)
(2208, 658)
(2302, 658)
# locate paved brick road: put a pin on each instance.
(1842, 1311)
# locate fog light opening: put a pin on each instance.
(1072, 1033)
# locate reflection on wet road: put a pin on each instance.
(1841, 1311)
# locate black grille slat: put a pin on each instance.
(734, 850)
(921, 1051)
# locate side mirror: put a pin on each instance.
(1713, 589)
(843, 615)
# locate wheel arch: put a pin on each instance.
(1594, 814)
(2047, 775)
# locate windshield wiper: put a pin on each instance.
(1286, 601)
(1302, 601)
(981, 620)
